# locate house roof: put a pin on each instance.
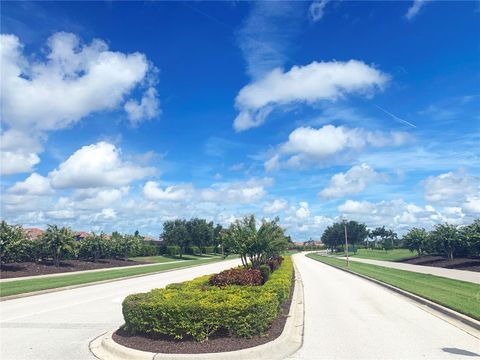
(33, 233)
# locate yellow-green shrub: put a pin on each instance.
(195, 309)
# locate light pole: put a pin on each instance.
(344, 220)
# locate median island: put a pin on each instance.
(235, 309)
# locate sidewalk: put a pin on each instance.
(470, 276)
(86, 271)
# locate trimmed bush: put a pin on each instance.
(265, 271)
(194, 309)
(275, 263)
(173, 250)
(238, 276)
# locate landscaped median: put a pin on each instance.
(16, 287)
(460, 296)
(204, 318)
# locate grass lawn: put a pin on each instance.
(29, 285)
(458, 295)
(390, 255)
(166, 258)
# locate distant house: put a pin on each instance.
(80, 235)
(309, 243)
(33, 233)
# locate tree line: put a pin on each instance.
(59, 243)
(444, 239)
(195, 236)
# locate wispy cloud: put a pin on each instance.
(414, 9)
(396, 117)
(267, 34)
(317, 10)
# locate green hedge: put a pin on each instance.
(195, 309)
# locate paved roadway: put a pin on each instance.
(470, 276)
(346, 318)
(351, 318)
(59, 325)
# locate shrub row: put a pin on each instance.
(275, 263)
(238, 276)
(194, 309)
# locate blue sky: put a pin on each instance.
(119, 116)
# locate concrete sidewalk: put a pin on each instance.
(470, 276)
(92, 271)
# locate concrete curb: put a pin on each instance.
(470, 325)
(47, 276)
(47, 291)
(289, 341)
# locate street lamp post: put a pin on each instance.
(344, 220)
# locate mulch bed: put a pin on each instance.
(216, 343)
(14, 270)
(470, 264)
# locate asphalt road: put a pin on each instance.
(60, 325)
(347, 317)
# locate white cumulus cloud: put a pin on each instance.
(72, 81)
(304, 84)
(351, 182)
(275, 206)
(307, 145)
(35, 184)
(97, 165)
(152, 191)
(147, 108)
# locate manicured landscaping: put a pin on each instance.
(167, 258)
(455, 294)
(29, 285)
(197, 310)
(377, 254)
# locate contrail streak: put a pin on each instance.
(396, 117)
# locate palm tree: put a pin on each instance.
(58, 241)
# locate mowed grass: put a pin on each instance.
(29, 285)
(164, 258)
(375, 254)
(461, 296)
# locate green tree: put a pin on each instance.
(14, 244)
(94, 247)
(256, 246)
(334, 235)
(416, 239)
(447, 240)
(58, 242)
(125, 245)
(175, 233)
(471, 236)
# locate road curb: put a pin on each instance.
(452, 314)
(47, 291)
(289, 341)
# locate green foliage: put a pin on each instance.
(416, 240)
(58, 242)
(173, 250)
(14, 245)
(258, 246)
(125, 245)
(196, 310)
(95, 247)
(265, 272)
(386, 238)
(447, 240)
(471, 236)
(334, 235)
